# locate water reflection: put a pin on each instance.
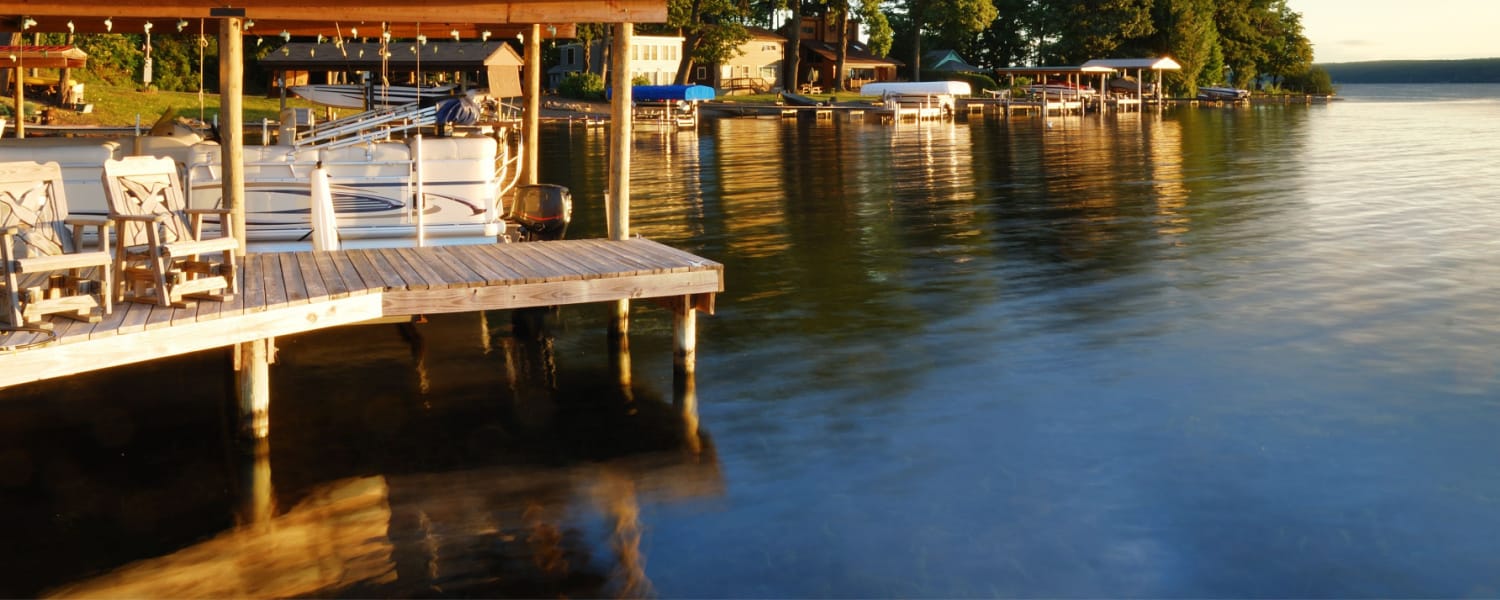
(448, 471)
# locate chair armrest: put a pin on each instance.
(209, 211)
(87, 221)
(155, 218)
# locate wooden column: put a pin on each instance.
(618, 202)
(531, 127)
(232, 120)
(254, 364)
(19, 80)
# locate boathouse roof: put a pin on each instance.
(1164, 63)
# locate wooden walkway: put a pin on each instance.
(288, 293)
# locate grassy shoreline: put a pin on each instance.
(121, 105)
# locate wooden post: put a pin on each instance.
(419, 200)
(531, 127)
(19, 80)
(232, 120)
(254, 364)
(618, 202)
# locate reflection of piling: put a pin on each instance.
(619, 354)
(685, 400)
(257, 501)
(624, 511)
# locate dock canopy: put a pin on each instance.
(43, 57)
(916, 88)
(1164, 63)
(668, 93)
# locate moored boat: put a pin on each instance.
(360, 97)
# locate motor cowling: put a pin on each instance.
(543, 211)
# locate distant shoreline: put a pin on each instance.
(1472, 70)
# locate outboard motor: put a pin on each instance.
(542, 211)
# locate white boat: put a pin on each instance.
(354, 96)
(1060, 91)
(373, 181)
(1222, 93)
(920, 99)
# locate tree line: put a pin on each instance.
(1252, 44)
(1243, 43)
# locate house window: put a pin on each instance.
(635, 53)
(700, 73)
(569, 58)
(768, 73)
(768, 48)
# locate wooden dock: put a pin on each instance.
(294, 292)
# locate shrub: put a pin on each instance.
(639, 80)
(1315, 80)
(582, 86)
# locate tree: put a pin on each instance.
(1288, 52)
(949, 21)
(1185, 29)
(712, 31)
(1089, 29)
(1242, 37)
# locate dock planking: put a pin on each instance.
(288, 293)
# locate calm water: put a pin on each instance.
(1221, 352)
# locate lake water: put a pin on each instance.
(1242, 352)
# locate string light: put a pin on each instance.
(249, 23)
(286, 36)
(422, 39)
(181, 25)
(109, 24)
(70, 27)
(353, 32)
(27, 23)
(485, 35)
(320, 38)
(147, 27)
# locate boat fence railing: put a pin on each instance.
(366, 127)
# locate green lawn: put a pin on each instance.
(121, 106)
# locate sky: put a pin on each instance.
(1358, 30)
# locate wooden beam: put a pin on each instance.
(438, 13)
(64, 359)
(273, 27)
(522, 295)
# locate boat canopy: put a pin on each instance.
(916, 88)
(667, 93)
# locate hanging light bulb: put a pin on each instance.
(286, 36)
(109, 24)
(70, 27)
(249, 23)
(552, 30)
(147, 27)
(361, 52)
(258, 40)
(422, 39)
(485, 35)
(181, 25)
(27, 23)
(454, 33)
(353, 32)
(386, 36)
(320, 38)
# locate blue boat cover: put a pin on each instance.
(664, 93)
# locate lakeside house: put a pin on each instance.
(755, 69)
(654, 57)
(819, 57)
